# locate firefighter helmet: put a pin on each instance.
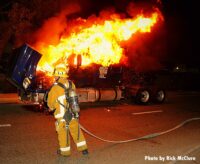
(61, 70)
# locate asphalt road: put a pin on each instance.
(28, 136)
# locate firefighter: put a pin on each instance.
(62, 99)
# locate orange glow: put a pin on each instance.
(99, 43)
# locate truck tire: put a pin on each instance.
(159, 96)
(143, 96)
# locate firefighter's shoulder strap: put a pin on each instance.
(65, 88)
(62, 86)
(68, 115)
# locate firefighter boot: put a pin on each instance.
(63, 153)
(85, 152)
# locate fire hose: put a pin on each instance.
(143, 137)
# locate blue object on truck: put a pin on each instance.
(23, 64)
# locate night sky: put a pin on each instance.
(182, 19)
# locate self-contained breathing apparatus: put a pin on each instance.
(71, 97)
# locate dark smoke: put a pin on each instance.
(54, 27)
(147, 51)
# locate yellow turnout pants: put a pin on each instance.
(64, 136)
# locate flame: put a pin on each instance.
(99, 43)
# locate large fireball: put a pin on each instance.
(99, 43)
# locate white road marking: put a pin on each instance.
(5, 125)
(148, 112)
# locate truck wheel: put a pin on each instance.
(143, 96)
(160, 96)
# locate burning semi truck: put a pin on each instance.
(96, 58)
(94, 83)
